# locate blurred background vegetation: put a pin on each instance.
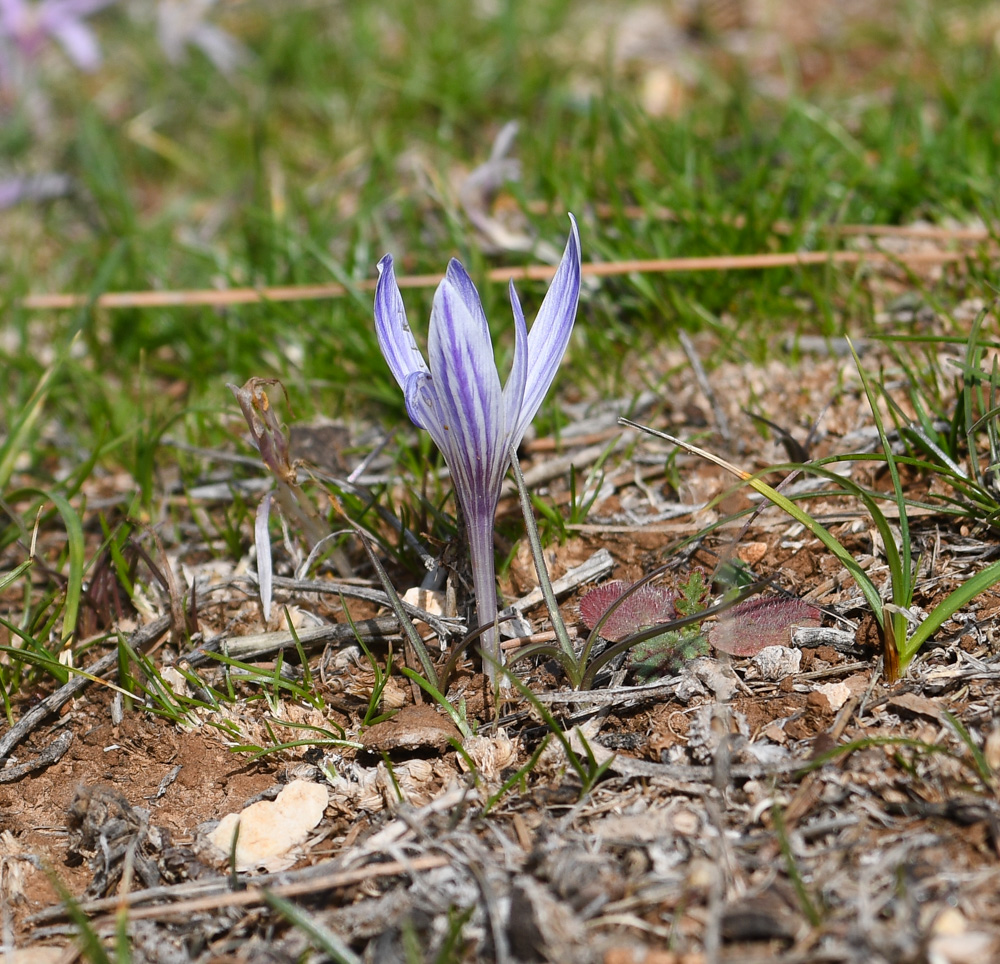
(215, 145)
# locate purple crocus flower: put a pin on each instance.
(180, 23)
(457, 396)
(25, 27)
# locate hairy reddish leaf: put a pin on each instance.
(748, 627)
(646, 607)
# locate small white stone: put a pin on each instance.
(774, 663)
(716, 676)
(836, 693)
(269, 829)
(432, 601)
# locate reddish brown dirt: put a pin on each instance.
(132, 758)
(823, 815)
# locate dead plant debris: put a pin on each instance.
(789, 806)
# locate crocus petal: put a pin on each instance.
(423, 407)
(513, 390)
(465, 287)
(467, 389)
(394, 336)
(225, 52)
(13, 14)
(79, 43)
(457, 396)
(550, 332)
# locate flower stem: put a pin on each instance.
(484, 582)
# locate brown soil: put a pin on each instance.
(820, 815)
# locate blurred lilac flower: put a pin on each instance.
(457, 398)
(180, 23)
(25, 28)
(38, 188)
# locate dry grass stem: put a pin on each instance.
(536, 272)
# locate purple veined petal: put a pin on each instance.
(513, 391)
(467, 390)
(422, 406)
(12, 189)
(79, 42)
(550, 332)
(468, 292)
(477, 492)
(399, 347)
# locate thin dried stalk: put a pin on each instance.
(535, 272)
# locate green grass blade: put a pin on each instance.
(945, 609)
(14, 574)
(568, 656)
(75, 552)
(900, 566)
(316, 930)
(867, 587)
(52, 665)
(521, 773)
(20, 431)
(405, 623)
(435, 694)
(978, 757)
(791, 865)
(91, 946)
(972, 393)
(550, 721)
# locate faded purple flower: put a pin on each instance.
(268, 435)
(38, 188)
(457, 397)
(183, 23)
(26, 27)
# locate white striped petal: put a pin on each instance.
(550, 332)
(513, 391)
(466, 387)
(395, 339)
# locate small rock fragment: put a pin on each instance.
(270, 829)
(837, 694)
(718, 677)
(991, 749)
(774, 663)
(412, 728)
(432, 601)
(954, 942)
(752, 552)
(35, 955)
